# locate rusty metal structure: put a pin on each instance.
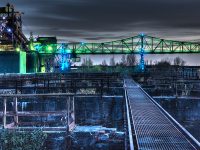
(11, 34)
(39, 91)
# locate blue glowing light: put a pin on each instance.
(9, 30)
(65, 66)
(68, 51)
(62, 66)
(142, 34)
(142, 65)
(37, 47)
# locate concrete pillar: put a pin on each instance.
(67, 123)
(73, 107)
(15, 109)
(4, 112)
(68, 110)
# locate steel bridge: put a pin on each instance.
(140, 44)
(131, 45)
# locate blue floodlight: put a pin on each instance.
(62, 66)
(9, 30)
(142, 34)
(65, 66)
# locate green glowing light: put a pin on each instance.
(43, 69)
(49, 48)
(17, 49)
(22, 62)
(32, 47)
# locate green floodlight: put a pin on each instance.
(43, 69)
(32, 47)
(17, 49)
(50, 48)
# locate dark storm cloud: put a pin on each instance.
(74, 20)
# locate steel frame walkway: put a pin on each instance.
(154, 129)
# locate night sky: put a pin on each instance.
(104, 20)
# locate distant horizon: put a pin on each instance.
(190, 61)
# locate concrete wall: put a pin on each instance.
(32, 63)
(9, 62)
(107, 112)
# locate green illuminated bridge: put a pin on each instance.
(132, 45)
(50, 54)
(140, 44)
(46, 56)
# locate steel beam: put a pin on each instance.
(132, 45)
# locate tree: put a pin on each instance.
(87, 62)
(123, 60)
(163, 64)
(84, 62)
(104, 63)
(90, 63)
(131, 60)
(179, 61)
(112, 61)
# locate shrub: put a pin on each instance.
(22, 140)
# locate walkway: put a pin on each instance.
(154, 130)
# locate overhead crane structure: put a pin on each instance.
(140, 44)
(132, 45)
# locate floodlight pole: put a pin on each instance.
(142, 65)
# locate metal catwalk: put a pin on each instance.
(154, 129)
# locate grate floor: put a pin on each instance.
(153, 129)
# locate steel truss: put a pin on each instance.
(132, 45)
